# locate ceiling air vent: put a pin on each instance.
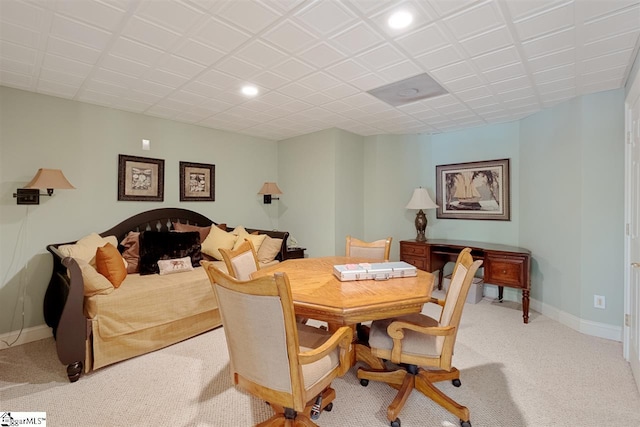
(408, 90)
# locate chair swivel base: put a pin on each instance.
(405, 380)
(290, 418)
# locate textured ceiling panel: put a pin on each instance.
(314, 60)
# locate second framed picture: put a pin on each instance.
(140, 178)
(197, 182)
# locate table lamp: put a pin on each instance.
(420, 200)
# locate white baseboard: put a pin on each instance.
(588, 327)
(34, 333)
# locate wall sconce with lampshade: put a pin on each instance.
(420, 200)
(268, 190)
(45, 179)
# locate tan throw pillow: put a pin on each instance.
(94, 282)
(178, 265)
(256, 239)
(131, 253)
(110, 264)
(204, 231)
(217, 239)
(84, 249)
(269, 249)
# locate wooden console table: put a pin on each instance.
(503, 265)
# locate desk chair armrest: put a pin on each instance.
(395, 329)
(341, 338)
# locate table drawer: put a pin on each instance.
(417, 262)
(504, 270)
(407, 249)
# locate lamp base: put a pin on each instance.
(421, 226)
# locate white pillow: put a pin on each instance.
(85, 248)
(269, 249)
(177, 265)
(217, 239)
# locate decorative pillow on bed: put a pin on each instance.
(131, 252)
(85, 248)
(169, 266)
(181, 228)
(269, 249)
(217, 239)
(157, 245)
(110, 264)
(94, 282)
(256, 239)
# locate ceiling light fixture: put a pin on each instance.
(400, 19)
(250, 90)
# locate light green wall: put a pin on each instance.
(307, 176)
(84, 141)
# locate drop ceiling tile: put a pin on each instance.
(473, 93)
(524, 8)
(325, 17)
(78, 32)
(368, 82)
(150, 34)
(65, 65)
(114, 77)
(98, 98)
(504, 73)
(614, 73)
(260, 54)
(616, 23)
(189, 98)
(165, 78)
(557, 73)
(480, 18)
(237, 67)
(319, 81)
(487, 42)
(132, 68)
(423, 40)
(380, 57)
(153, 88)
(296, 90)
(220, 35)
(439, 58)
(92, 12)
(22, 14)
(595, 9)
(18, 34)
(400, 71)
(16, 80)
(293, 69)
(60, 47)
(347, 70)
(338, 106)
(98, 86)
(218, 79)
(173, 104)
(497, 58)
(550, 20)
(556, 85)
(174, 15)
(59, 77)
(16, 67)
(322, 55)
(131, 49)
(341, 90)
(142, 97)
(453, 71)
(164, 112)
(604, 62)
(269, 80)
(464, 83)
(198, 52)
(511, 84)
(552, 60)
(18, 53)
(561, 40)
(445, 7)
(357, 38)
(252, 16)
(610, 44)
(290, 36)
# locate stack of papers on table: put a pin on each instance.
(374, 271)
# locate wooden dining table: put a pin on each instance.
(318, 294)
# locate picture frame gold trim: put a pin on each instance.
(197, 182)
(140, 179)
(474, 190)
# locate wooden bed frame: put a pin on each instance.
(64, 298)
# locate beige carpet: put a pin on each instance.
(540, 374)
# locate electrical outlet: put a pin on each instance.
(598, 301)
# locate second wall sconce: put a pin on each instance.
(45, 179)
(267, 190)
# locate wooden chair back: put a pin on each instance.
(377, 250)
(242, 261)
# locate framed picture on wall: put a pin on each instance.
(197, 182)
(140, 179)
(475, 190)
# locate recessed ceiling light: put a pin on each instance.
(249, 90)
(400, 19)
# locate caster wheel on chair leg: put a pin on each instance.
(364, 382)
(395, 423)
(456, 383)
(465, 423)
(329, 407)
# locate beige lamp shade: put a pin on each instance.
(421, 200)
(270, 188)
(46, 179)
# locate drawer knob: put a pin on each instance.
(504, 271)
